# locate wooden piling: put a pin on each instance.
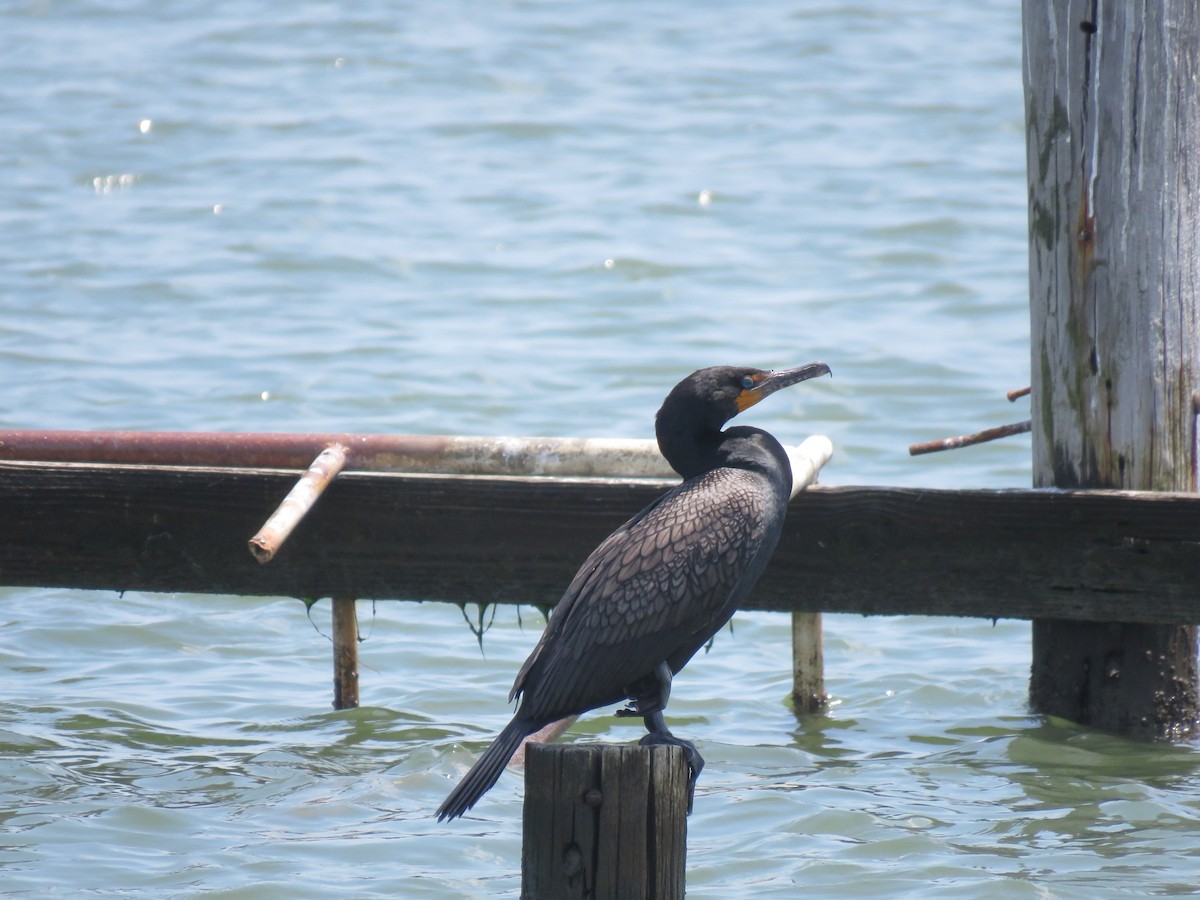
(808, 653)
(1113, 137)
(345, 653)
(604, 820)
(808, 663)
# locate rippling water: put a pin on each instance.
(527, 218)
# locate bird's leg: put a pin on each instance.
(649, 694)
(648, 700)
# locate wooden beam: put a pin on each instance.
(1081, 555)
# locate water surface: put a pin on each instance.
(528, 218)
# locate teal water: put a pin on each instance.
(527, 218)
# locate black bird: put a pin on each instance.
(666, 581)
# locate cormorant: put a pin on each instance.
(664, 583)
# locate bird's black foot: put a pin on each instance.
(659, 734)
(694, 759)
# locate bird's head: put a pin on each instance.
(691, 418)
(711, 397)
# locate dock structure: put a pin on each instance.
(167, 512)
(1070, 555)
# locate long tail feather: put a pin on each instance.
(486, 770)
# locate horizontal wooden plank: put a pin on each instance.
(1097, 555)
(1091, 555)
(371, 535)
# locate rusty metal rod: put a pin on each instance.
(447, 455)
(966, 440)
(295, 506)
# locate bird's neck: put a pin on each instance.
(690, 448)
(757, 451)
(693, 450)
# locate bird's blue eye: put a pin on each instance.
(748, 383)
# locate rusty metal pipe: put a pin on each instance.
(968, 440)
(295, 506)
(439, 454)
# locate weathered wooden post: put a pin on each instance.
(808, 642)
(808, 663)
(604, 820)
(1112, 94)
(345, 653)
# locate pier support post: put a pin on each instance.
(1112, 99)
(604, 820)
(808, 663)
(345, 653)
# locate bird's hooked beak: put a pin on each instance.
(767, 383)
